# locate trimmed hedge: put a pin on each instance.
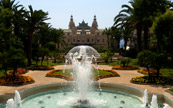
(51, 74)
(18, 80)
(118, 67)
(152, 80)
(145, 72)
(40, 68)
(113, 73)
(19, 71)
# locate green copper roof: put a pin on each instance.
(83, 25)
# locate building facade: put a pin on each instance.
(83, 34)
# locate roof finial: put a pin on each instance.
(94, 17)
(71, 17)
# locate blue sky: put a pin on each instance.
(61, 10)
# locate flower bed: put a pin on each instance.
(112, 73)
(145, 71)
(152, 80)
(40, 67)
(18, 80)
(118, 67)
(66, 77)
(19, 71)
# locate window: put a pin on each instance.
(103, 40)
(88, 40)
(68, 40)
(78, 33)
(98, 41)
(88, 32)
(78, 40)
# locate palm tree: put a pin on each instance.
(146, 11)
(107, 32)
(127, 22)
(116, 35)
(34, 20)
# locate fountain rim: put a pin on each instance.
(133, 90)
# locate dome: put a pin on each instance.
(79, 51)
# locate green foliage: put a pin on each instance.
(125, 62)
(145, 58)
(107, 55)
(132, 53)
(163, 29)
(152, 59)
(152, 80)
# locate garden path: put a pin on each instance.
(125, 76)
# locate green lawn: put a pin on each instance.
(68, 73)
(167, 72)
(49, 63)
(2, 73)
(133, 62)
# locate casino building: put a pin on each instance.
(83, 34)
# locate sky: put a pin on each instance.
(60, 11)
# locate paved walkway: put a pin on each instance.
(125, 76)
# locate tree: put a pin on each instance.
(146, 11)
(163, 29)
(146, 58)
(107, 55)
(116, 35)
(107, 31)
(34, 20)
(128, 16)
(16, 56)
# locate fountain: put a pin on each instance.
(145, 98)
(16, 103)
(166, 106)
(154, 103)
(83, 96)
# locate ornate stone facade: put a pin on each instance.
(83, 34)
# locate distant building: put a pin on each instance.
(83, 34)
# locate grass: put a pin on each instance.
(171, 90)
(167, 72)
(133, 62)
(49, 63)
(68, 73)
(2, 73)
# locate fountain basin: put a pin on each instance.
(67, 85)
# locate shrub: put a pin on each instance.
(40, 67)
(145, 71)
(152, 80)
(18, 80)
(118, 67)
(66, 77)
(19, 71)
(112, 73)
(125, 62)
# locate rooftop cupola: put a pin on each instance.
(94, 24)
(71, 24)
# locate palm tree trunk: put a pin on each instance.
(30, 47)
(108, 40)
(125, 44)
(139, 33)
(146, 38)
